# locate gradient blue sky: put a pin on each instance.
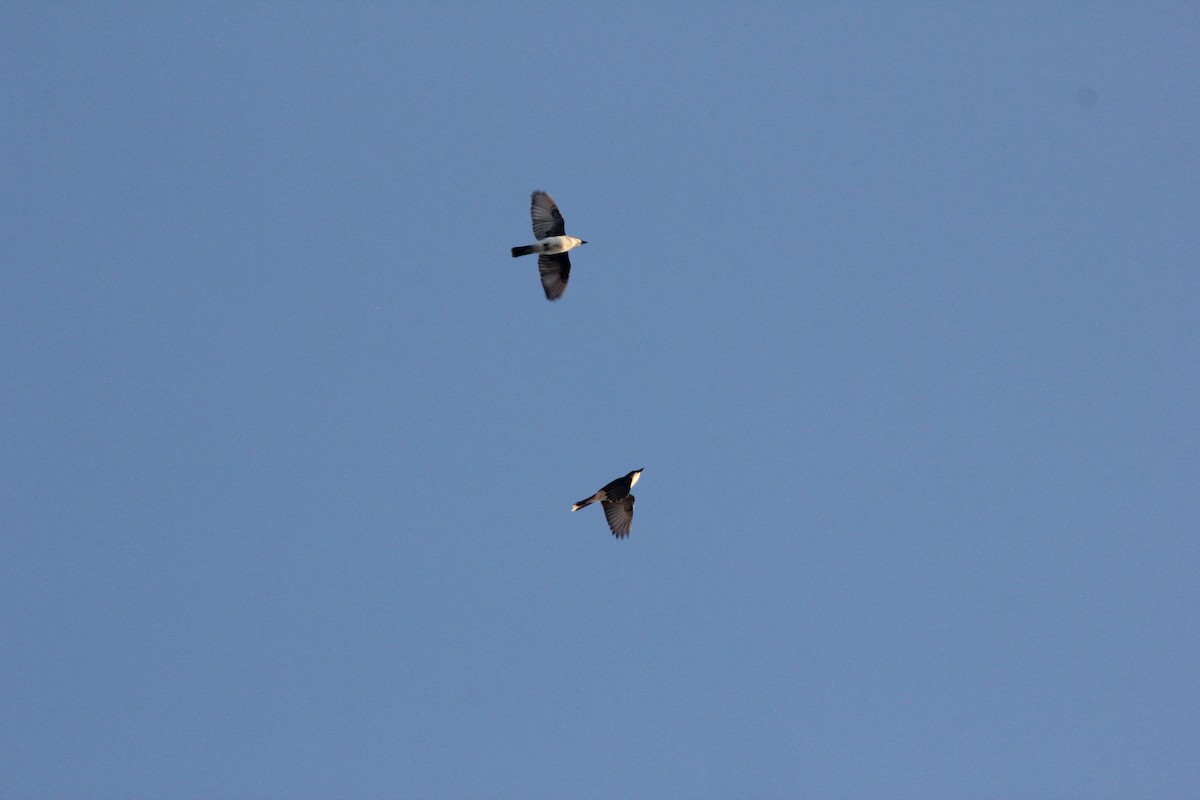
(897, 304)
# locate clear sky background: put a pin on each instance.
(897, 305)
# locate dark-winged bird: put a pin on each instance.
(617, 503)
(552, 245)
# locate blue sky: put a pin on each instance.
(896, 305)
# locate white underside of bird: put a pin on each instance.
(553, 245)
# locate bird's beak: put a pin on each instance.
(582, 242)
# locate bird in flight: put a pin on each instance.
(617, 503)
(552, 245)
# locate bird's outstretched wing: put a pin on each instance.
(547, 221)
(619, 514)
(555, 271)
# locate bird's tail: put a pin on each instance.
(583, 503)
(524, 250)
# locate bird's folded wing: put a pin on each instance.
(555, 271)
(547, 221)
(619, 514)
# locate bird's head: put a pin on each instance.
(633, 477)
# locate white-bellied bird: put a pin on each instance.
(552, 245)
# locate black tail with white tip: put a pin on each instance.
(583, 503)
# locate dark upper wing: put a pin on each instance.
(615, 490)
(546, 219)
(555, 270)
(619, 514)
